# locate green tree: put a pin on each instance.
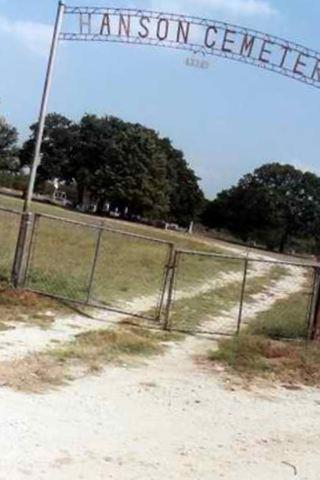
(59, 141)
(8, 147)
(185, 195)
(125, 164)
(271, 205)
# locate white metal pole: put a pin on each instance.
(44, 105)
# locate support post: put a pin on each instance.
(168, 268)
(94, 263)
(44, 106)
(171, 280)
(243, 288)
(18, 269)
(314, 330)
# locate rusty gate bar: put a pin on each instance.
(31, 246)
(314, 306)
(94, 263)
(168, 268)
(170, 289)
(315, 287)
(243, 288)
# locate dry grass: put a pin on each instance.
(95, 348)
(256, 356)
(27, 307)
(32, 374)
(87, 353)
(262, 350)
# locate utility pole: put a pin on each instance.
(18, 270)
(44, 106)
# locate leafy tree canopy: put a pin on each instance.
(271, 205)
(119, 162)
(8, 146)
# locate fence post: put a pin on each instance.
(243, 288)
(314, 328)
(94, 263)
(19, 264)
(167, 271)
(170, 281)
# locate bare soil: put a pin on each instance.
(167, 419)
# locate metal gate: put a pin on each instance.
(222, 294)
(98, 266)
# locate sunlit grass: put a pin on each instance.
(127, 267)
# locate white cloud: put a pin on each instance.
(34, 36)
(261, 8)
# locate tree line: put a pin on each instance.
(277, 206)
(138, 172)
(125, 164)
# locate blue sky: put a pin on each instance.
(228, 119)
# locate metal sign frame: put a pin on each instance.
(195, 34)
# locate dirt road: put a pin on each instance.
(167, 419)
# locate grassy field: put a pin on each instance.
(127, 267)
(181, 239)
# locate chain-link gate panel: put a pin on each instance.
(61, 258)
(277, 299)
(129, 273)
(9, 232)
(207, 293)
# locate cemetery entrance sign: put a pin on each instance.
(198, 35)
(208, 37)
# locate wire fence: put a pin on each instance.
(98, 266)
(230, 294)
(146, 277)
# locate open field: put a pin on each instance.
(181, 239)
(63, 256)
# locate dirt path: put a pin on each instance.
(25, 339)
(291, 283)
(168, 419)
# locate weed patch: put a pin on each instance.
(32, 374)
(89, 351)
(287, 319)
(27, 307)
(253, 356)
(95, 348)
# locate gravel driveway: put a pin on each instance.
(166, 419)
